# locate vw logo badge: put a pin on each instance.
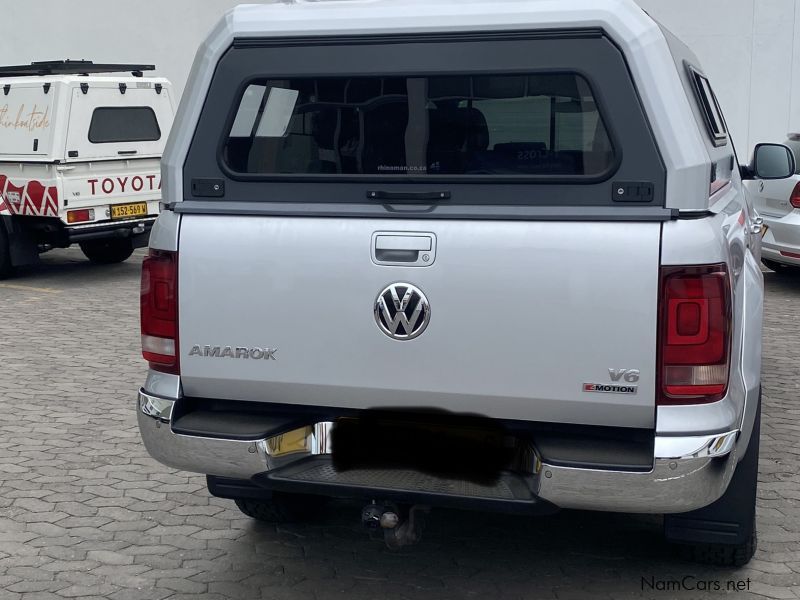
(402, 311)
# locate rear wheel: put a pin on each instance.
(282, 508)
(5, 254)
(780, 267)
(107, 252)
(723, 534)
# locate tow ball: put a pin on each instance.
(401, 527)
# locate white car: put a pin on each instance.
(778, 203)
(79, 159)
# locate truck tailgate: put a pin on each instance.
(523, 316)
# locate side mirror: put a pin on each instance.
(772, 161)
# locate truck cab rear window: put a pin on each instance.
(502, 125)
(115, 124)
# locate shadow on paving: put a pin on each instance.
(70, 268)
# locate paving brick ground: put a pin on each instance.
(85, 513)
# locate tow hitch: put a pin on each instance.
(401, 527)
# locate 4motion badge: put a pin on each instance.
(629, 376)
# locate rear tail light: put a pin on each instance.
(794, 199)
(80, 216)
(159, 311)
(694, 336)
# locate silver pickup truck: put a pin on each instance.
(488, 255)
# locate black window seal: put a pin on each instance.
(129, 141)
(313, 178)
(709, 107)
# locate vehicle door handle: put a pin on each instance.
(404, 249)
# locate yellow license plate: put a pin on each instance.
(126, 211)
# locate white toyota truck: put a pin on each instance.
(472, 254)
(79, 158)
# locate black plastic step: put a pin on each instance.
(317, 475)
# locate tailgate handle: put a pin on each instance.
(397, 256)
(396, 249)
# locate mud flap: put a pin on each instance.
(730, 519)
(22, 248)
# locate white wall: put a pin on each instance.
(749, 50)
(747, 47)
(161, 32)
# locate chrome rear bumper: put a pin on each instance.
(688, 473)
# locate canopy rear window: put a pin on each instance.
(489, 123)
(504, 125)
(115, 124)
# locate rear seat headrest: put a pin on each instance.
(458, 128)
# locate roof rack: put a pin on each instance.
(72, 67)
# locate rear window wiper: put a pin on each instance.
(407, 196)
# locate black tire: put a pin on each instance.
(282, 508)
(732, 517)
(108, 252)
(779, 268)
(5, 254)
